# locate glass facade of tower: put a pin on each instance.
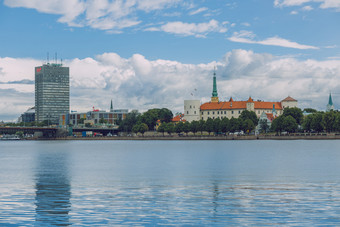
(52, 92)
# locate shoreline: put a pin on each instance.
(181, 138)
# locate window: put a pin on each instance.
(239, 111)
(202, 113)
(225, 112)
(190, 106)
(208, 112)
(218, 112)
(232, 112)
(213, 112)
(187, 112)
(195, 112)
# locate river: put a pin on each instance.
(234, 183)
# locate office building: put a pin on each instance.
(52, 92)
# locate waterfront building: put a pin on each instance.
(191, 110)
(52, 92)
(28, 116)
(216, 109)
(330, 105)
(94, 117)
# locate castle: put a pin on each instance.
(194, 110)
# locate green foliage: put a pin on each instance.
(194, 127)
(225, 126)
(179, 127)
(277, 124)
(143, 128)
(151, 116)
(186, 127)
(306, 124)
(310, 110)
(217, 125)
(81, 121)
(246, 114)
(165, 115)
(289, 124)
(295, 112)
(169, 127)
(248, 126)
(201, 126)
(130, 120)
(264, 127)
(209, 125)
(234, 124)
(161, 128)
(316, 123)
(88, 125)
(328, 121)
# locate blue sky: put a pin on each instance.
(293, 45)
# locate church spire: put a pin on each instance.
(330, 105)
(214, 97)
(111, 107)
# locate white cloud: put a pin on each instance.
(324, 4)
(200, 10)
(138, 83)
(191, 29)
(248, 37)
(98, 14)
(307, 8)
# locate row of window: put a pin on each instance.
(222, 112)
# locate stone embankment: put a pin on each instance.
(205, 137)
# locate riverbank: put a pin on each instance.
(205, 137)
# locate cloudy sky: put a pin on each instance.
(156, 53)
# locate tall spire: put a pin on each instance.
(214, 97)
(111, 107)
(330, 105)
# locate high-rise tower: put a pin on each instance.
(52, 92)
(214, 97)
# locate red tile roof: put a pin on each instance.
(178, 118)
(270, 116)
(239, 105)
(289, 99)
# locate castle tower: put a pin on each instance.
(214, 97)
(330, 105)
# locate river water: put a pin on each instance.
(124, 183)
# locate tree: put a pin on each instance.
(234, 125)
(248, 126)
(225, 125)
(150, 117)
(310, 110)
(194, 126)
(169, 127)
(179, 127)
(217, 125)
(328, 121)
(135, 128)
(264, 127)
(201, 125)
(209, 125)
(306, 124)
(316, 123)
(295, 112)
(186, 127)
(143, 128)
(165, 115)
(277, 124)
(289, 124)
(130, 120)
(337, 122)
(161, 128)
(246, 114)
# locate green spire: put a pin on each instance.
(330, 101)
(214, 93)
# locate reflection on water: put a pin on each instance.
(53, 190)
(151, 183)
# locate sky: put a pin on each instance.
(146, 54)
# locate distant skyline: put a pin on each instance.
(145, 54)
